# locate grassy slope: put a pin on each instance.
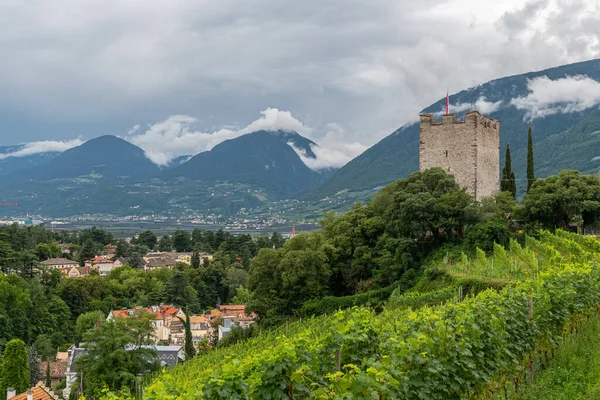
(574, 373)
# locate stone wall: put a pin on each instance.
(468, 150)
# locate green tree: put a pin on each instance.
(15, 367)
(281, 280)
(122, 249)
(43, 346)
(35, 371)
(530, 166)
(117, 352)
(179, 292)
(165, 244)
(195, 261)
(242, 296)
(181, 240)
(555, 201)
(45, 251)
(235, 278)
(74, 294)
(88, 321)
(148, 239)
(508, 181)
(88, 250)
(48, 375)
(190, 350)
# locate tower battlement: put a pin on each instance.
(469, 149)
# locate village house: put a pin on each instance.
(102, 263)
(58, 369)
(59, 263)
(109, 250)
(39, 392)
(234, 312)
(164, 318)
(76, 272)
(159, 260)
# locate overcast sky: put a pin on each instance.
(177, 77)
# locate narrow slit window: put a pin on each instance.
(446, 153)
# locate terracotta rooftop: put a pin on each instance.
(40, 392)
(57, 368)
(161, 312)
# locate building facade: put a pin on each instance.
(468, 149)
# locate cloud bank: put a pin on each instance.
(45, 146)
(560, 96)
(177, 136)
(481, 105)
(331, 151)
(370, 66)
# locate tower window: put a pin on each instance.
(446, 153)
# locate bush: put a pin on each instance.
(484, 234)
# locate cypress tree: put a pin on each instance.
(508, 181)
(15, 367)
(195, 259)
(48, 375)
(530, 168)
(190, 350)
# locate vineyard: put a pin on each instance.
(459, 341)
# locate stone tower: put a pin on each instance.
(469, 150)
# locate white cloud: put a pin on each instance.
(134, 129)
(273, 119)
(177, 136)
(482, 105)
(44, 146)
(331, 150)
(371, 67)
(565, 95)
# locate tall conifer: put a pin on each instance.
(508, 182)
(15, 367)
(530, 167)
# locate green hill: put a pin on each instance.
(562, 140)
(261, 158)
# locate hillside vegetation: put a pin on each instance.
(450, 351)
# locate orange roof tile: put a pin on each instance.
(39, 393)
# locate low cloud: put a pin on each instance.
(481, 105)
(177, 135)
(560, 96)
(45, 146)
(273, 119)
(331, 151)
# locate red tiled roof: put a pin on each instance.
(161, 312)
(57, 368)
(39, 393)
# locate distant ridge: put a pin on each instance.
(397, 155)
(261, 158)
(109, 156)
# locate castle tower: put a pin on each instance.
(469, 150)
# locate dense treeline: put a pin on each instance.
(388, 240)
(374, 245)
(39, 306)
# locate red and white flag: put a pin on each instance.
(447, 104)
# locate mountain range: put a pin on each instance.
(111, 175)
(563, 140)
